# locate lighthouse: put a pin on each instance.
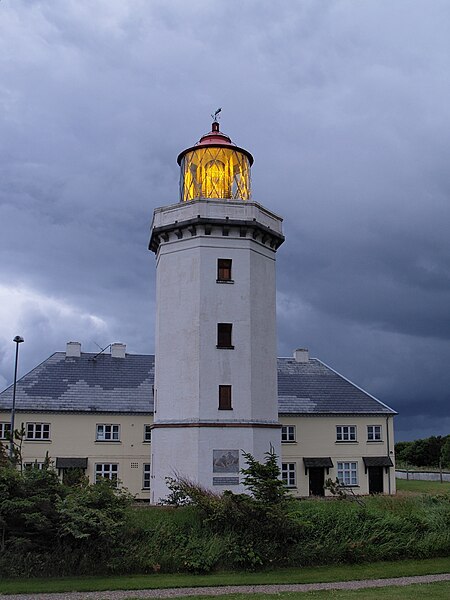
(215, 391)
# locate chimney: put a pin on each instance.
(118, 350)
(301, 355)
(73, 349)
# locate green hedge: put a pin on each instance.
(48, 529)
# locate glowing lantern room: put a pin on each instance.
(215, 168)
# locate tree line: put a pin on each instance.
(433, 451)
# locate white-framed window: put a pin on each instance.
(288, 474)
(347, 473)
(287, 433)
(106, 471)
(5, 428)
(108, 433)
(374, 433)
(38, 431)
(346, 433)
(147, 433)
(34, 465)
(146, 476)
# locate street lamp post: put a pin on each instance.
(18, 340)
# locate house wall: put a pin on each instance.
(74, 436)
(316, 437)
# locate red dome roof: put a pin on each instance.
(215, 138)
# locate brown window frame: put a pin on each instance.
(225, 397)
(224, 266)
(224, 335)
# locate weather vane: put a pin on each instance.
(215, 116)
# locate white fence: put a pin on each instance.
(423, 475)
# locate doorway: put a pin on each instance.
(316, 481)
(375, 480)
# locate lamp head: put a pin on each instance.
(18, 339)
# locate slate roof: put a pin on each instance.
(106, 385)
(117, 385)
(315, 388)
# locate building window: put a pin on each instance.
(374, 433)
(106, 471)
(224, 269)
(225, 397)
(34, 465)
(347, 473)
(108, 433)
(147, 433)
(287, 434)
(146, 477)
(5, 428)
(346, 433)
(288, 474)
(38, 431)
(224, 335)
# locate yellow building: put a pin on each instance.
(94, 412)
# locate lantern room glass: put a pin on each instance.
(215, 172)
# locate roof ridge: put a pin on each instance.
(29, 372)
(357, 387)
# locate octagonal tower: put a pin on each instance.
(215, 340)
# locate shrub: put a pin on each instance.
(47, 528)
(259, 528)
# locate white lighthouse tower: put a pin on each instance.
(215, 388)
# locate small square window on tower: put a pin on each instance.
(225, 397)
(224, 269)
(224, 335)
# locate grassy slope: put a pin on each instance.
(292, 575)
(423, 487)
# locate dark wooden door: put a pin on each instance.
(375, 480)
(316, 481)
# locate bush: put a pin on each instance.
(50, 529)
(47, 528)
(258, 528)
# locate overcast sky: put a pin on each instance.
(345, 106)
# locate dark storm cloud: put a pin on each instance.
(345, 108)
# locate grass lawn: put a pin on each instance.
(430, 591)
(423, 487)
(291, 575)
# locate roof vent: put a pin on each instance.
(118, 350)
(73, 349)
(301, 355)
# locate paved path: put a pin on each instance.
(232, 589)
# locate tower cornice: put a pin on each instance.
(206, 217)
